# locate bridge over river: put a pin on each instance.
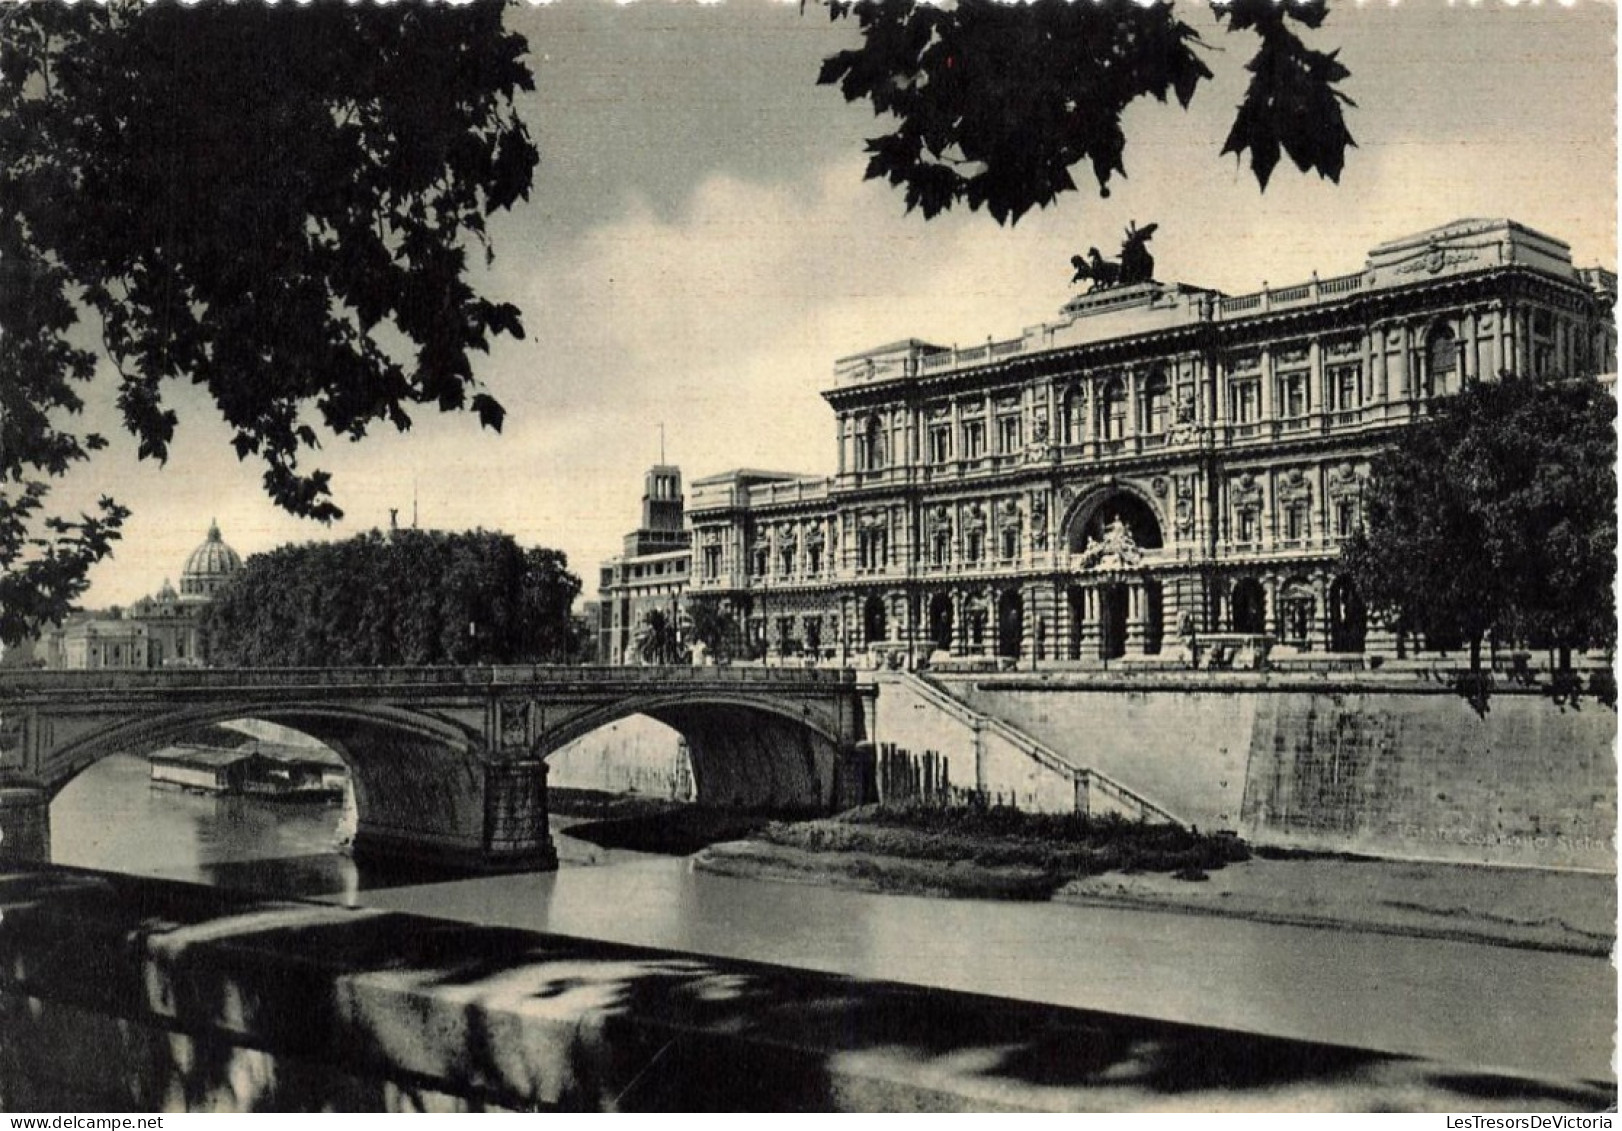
(449, 764)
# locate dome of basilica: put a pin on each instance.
(209, 566)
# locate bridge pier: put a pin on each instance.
(517, 832)
(502, 826)
(25, 824)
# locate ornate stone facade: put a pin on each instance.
(1163, 459)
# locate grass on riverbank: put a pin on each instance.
(1064, 844)
(970, 851)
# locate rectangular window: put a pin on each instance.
(940, 444)
(1295, 522)
(870, 547)
(712, 562)
(1246, 530)
(1010, 543)
(974, 439)
(1293, 395)
(1245, 401)
(813, 560)
(1345, 518)
(1346, 386)
(1008, 434)
(973, 546)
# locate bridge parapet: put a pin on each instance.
(493, 676)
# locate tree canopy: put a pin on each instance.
(711, 623)
(997, 102)
(273, 203)
(658, 640)
(1497, 517)
(404, 598)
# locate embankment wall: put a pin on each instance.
(1404, 771)
(633, 755)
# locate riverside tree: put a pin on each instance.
(407, 597)
(273, 203)
(712, 624)
(996, 103)
(1496, 518)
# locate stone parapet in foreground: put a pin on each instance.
(126, 993)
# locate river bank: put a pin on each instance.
(1563, 912)
(1166, 871)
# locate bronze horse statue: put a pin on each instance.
(1135, 265)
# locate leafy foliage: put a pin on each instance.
(1498, 516)
(997, 102)
(658, 640)
(711, 623)
(272, 203)
(406, 598)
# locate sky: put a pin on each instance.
(700, 247)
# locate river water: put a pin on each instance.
(1481, 1006)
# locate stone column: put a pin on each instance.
(1469, 361)
(1399, 373)
(960, 628)
(1137, 609)
(1060, 628)
(1374, 366)
(1318, 398)
(1087, 636)
(1498, 353)
(25, 824)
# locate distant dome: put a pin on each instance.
(209, 566)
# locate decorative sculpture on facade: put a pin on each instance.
(1135, 265)
(1116, 549)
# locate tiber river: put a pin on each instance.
(1469, 1005)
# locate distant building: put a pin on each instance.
(1160, 461)
(157, 631)
(650, 573)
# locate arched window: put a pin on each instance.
(1441, 363)
(1155, 403)
(870, 446)
(1112, 410)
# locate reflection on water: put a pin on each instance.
(111, 817)
(1473, 1005)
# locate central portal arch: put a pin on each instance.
(1095, 516)
(1114, 600)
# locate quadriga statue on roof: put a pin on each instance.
(1135, 265)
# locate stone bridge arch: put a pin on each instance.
(448, 763)
(419, 779)
(745, 751)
